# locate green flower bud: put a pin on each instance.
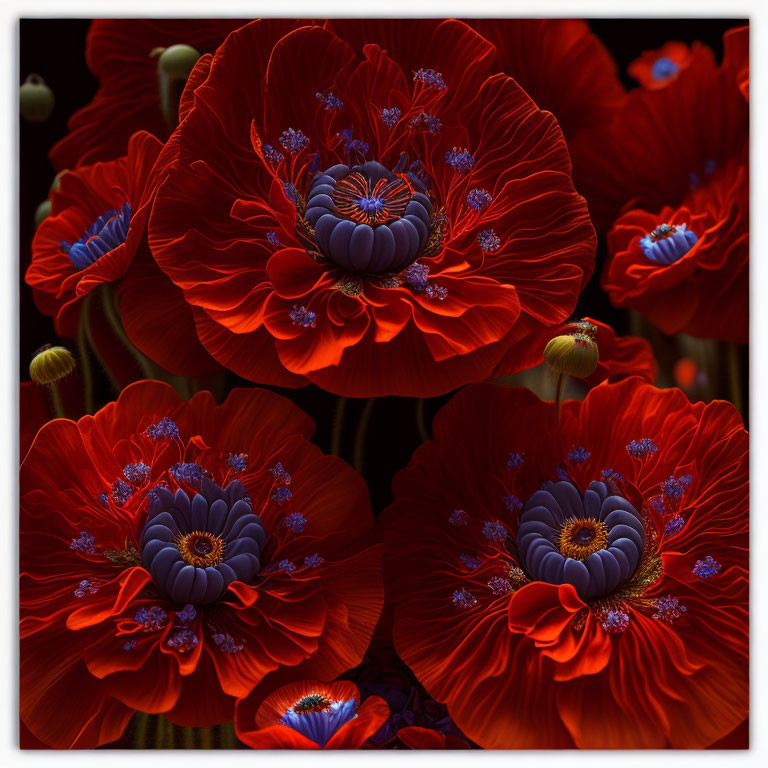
(43, 211)
(35, 100)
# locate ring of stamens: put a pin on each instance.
(581, 537)
(201, 549)
(315, 702)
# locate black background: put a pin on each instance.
(55, 49)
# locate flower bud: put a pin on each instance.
(43, 211)
(176, 61)
(575, 354)
(50, 364)
(35, 100)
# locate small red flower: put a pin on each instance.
(581, 581)
(396, 221)
(175, 555)
(123, 55)
(310, 715)
(666, 141)
(97, 222)
(656, 69)
(687, 269)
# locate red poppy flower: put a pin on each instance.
(98, 218)
(687, 269)
(450, 232)
(174, 555)
(561, 65)
(655, 69)
(311, 715)
(619, 356)
(665, 141)
(580, 582)
(123, 54)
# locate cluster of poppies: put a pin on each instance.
(374, 208)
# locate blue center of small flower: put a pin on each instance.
(195, 548)
(594, 542)
(367, 218)
(668, 243)
(104, 235)
(664, 68)
(318, 718)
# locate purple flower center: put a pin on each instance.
(104, 235)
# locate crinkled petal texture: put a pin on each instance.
(665, 140)
(529, 664)
(705, 292)
(264, 729)
(228, 229)
(619, 356)
(561, 65)
(89, 653)
(84, 196)
(123, 54)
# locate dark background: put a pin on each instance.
(55, 49)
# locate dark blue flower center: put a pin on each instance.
(319, 724)
(594, 542)
(664, 68)
(367, 218)
(104, 235)
(668, 243)
(195, 548)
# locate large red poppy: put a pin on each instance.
(637, 636)
(123, 54)
(174, 555)
(97, 222)
(468, 235)
(311, 715)
(687, 268)
(668, 140)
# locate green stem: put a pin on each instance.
(206, 737)
(227, 736)
(168, 742)
(140, 720)
(109, 303)
(58, 406)
(358, 454)
(558, 395)
(734, 376)
(159, 732)
(85, 360)
(421, 422)
(188, 738)
(338, 426)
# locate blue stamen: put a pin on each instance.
(390, 117)
(280, 475)
(312, 561)
(287, 566)
(183, 641)
(273, 155)
(416, 276)
(85, 588)
(151, 619)
(460, 160)
(186, 615)
(674, 489)
(226, 643)
(499, 586)
(706, 568)
(640, 449)
(137, 474)
(579, 454)
(105, 234)
(329, 100)
(165, 429)
(471, 561)
(668, 609)
(129, 645)
(281, 495)
(190, 473)
(515, 459)
(84, 544)
(436, 292)
(494, 530)
(512, 504)
(615, 622)
(674, 525)
(121, 491)
(293, 141)
(237, 461)
(463, 598)
(302, 316)
(458, 517)
(296, 522)
(272, 239)
(430, 78)
(479, 199)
